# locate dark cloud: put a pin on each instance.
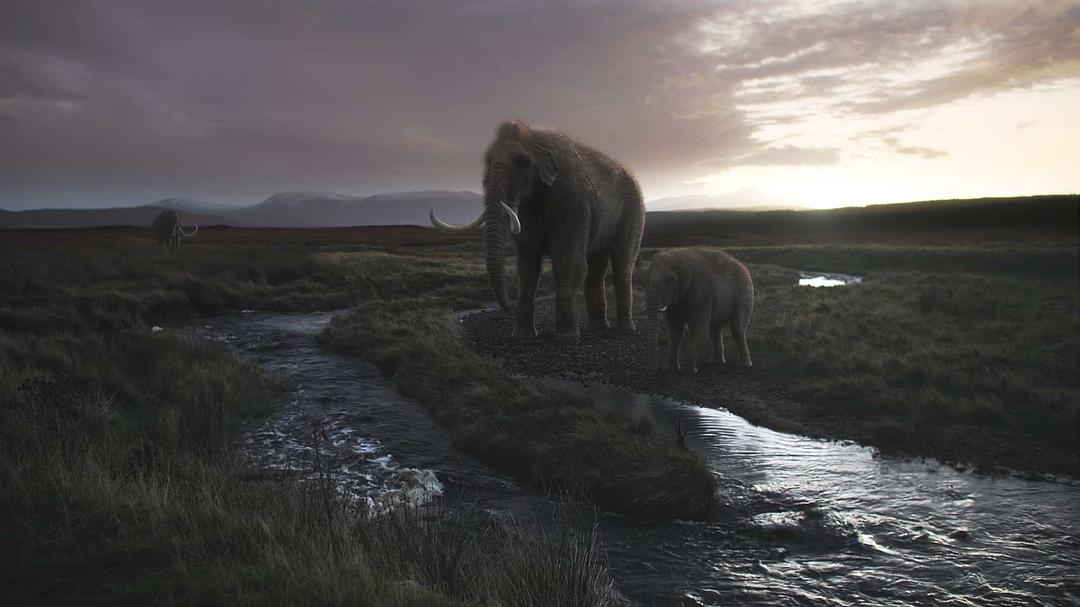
(129, 100)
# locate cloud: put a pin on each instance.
(918, 150)
(111, 100)
(782, 155)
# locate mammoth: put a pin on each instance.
(168, 229)
(560, 198)
(699, 291)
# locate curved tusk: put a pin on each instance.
(193, 232)
(447, 227)
(515, 223)
(662, 309)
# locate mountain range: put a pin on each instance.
(328, 210)
(743, 199)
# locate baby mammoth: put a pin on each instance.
(699, 291)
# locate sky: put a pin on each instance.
(817, 103)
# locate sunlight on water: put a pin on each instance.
(807, 279)
(375, 445)
(808, 522)
(799, 521)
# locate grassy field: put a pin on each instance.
(115, 478)
(968, 354)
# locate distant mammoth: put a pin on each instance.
(168, 229)
(560, 198)
(699, 291)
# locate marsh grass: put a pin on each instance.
(551, 439)
(111, 498)
(116, 477)
(983, 364)
(114, 280)
(967, 353)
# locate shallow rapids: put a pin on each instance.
(812, 522)
(799, 521)
(375, 444)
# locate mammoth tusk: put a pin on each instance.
(515, 223)
(192, 233)
(446, 227)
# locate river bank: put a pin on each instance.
(547, 438)
(977, 371)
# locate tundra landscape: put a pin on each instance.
(118, 474)
(569, 303)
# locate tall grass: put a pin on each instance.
(111, 498)
(116, 477)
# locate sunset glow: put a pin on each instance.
(806, 103)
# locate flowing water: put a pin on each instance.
(800, 521)
(813, 522)
(377, 445)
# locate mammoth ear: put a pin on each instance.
(545, 164)
(683, 272)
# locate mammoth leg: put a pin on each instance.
(623, 256)
(698, 338)
(739, 325)
(528, 268)
(716, 336)
(595, 297)
(569, 270)
(676, 330)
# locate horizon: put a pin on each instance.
(815, 105)
(749, 208)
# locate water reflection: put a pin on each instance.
(799, 521)
(821, 279)
(377, 445)
(805, 521)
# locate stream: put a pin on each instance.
(799, 521)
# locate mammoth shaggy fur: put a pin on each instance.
(699, 291)
(168, 230)
(562, 199)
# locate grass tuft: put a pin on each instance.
(546, 437)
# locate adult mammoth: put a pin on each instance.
(699, 291)
(168, 229)
(560, 198)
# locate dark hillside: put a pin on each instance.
(1049, 218)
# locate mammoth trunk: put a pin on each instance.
(496, 227)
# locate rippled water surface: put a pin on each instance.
(800, 521)
(377, 444)
(810, 522)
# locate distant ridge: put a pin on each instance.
(92, 218)
(324, 209)
(1053, 215)
(743, 199)
(282, 210)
